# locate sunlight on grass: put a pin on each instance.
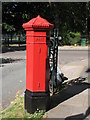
(17, 111)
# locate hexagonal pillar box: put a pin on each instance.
(37, 64)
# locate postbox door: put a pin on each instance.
(40, 61)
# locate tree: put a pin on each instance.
(68, 16)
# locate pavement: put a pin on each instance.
(72, 102)
(73, 47)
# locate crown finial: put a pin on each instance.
(38, 16)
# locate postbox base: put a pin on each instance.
(36, 101)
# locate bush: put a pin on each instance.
(71, 38)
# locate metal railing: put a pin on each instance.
(8, 39)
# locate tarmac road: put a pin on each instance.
(14, 76)
(13, 82)
(70, 55)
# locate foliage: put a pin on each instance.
(17, 111)
(67, 16)
(64, 15)
(71, 38)
(8, 28)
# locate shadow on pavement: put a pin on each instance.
(13, 48)
(72, 88)
(9, 60)
(80, 116)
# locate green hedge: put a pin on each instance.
(71, 38)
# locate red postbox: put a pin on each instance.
(37, 64)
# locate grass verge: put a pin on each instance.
(17, 111)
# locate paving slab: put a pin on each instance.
(73, 101)
(75, 105)
(73, 69)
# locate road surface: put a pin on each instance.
(67, 56)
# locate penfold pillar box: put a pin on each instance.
(37, 64)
